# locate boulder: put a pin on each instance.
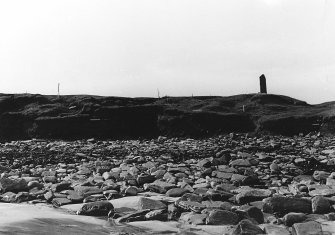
(204, 163)
(13, 185)
(61, 186)
(160, 214)
(240, 163)
(146, 203)
(311, 227)
(176, 192)
(218, 195)
(75, 197)
(87, 190)
(160, 186)
(107, 175)
(327, 192)
(191, 197)
(251, 213)
(252, 195)
(246, 227)
(331, 216)
(34, 184)
(4, 169)
(222, 217)
(320, 205)
(223, 175)
(99, 208)
(272, 229)
(131, 191)
(60, 201)
(49, 196)
(293, 217)
(190, 206)
(321, 175)
(174, 212)
(145, 179)
(49, 173)
(8, 197)
(287, 204)
(193, 218)
(134, 216)
(50, 179)
(23, 197)
(217, 205)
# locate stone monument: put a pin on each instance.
(262, 81)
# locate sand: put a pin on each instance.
(42, 219)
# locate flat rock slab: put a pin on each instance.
(322, 192)
(272, 229)
(306, 228)
(158, 227)
(328, 227)
(251, 195)
(148, 203)
(247, 227)
(130, 202)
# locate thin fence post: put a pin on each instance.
(58, 90)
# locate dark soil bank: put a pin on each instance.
(81, 116)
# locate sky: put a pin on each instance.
(136, 48)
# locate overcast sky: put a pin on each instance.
(181, 47)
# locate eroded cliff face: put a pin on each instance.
(72, 117)
(203, 123)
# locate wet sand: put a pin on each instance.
(42, 219)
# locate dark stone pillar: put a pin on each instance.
(262, 81)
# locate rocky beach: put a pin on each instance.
(225, 184)
(170, 117)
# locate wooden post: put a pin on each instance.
(58, 89)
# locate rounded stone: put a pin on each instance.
(176, 192)
(320, 205)
(222, 217)
(99, 208)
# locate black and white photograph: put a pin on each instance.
(172, 117)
